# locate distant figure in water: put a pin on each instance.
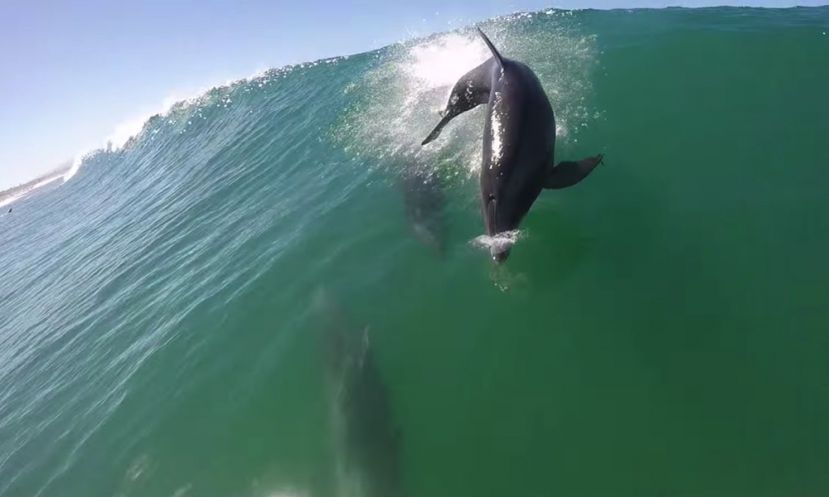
(10, 210)
(366, 438)
(423, 197)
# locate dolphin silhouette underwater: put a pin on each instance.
(367, 439)
(518, 143)
(424, 202)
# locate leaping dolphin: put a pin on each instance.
(518, 143)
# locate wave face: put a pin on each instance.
(660, 329)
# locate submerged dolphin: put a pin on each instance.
(366, 440)
(424, 201)
(518, 144)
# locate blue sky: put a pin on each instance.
(71, 72)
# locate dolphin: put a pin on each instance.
(518, 143)
(366, 440)
(424, 202)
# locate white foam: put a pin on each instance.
(130, 127)
(498, 242)
(9, 200)
(44, 182)
(18, 196)
(73, 170)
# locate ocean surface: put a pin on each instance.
(272, 289)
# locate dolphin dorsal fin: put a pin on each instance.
(492, 49)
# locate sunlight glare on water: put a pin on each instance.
(442, 61)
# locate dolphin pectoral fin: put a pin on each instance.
(435, 132)
(568, 173)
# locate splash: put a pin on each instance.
(498, 242)
(9, 200)
(21, 194)
(398, 103)
(73, 170)
(441, 62)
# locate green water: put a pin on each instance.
(661, 329)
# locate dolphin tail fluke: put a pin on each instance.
(492, 49)
(568, 173)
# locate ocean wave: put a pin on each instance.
(157, 311)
